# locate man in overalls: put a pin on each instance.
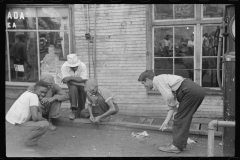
(100, 103)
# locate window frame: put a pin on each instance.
(197, 22)
(70, 31)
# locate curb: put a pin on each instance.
(76, 122)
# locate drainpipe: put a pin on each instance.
(88, 31)
(211, 128)
(95, 44)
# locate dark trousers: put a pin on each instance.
(77, 97)
(190, 96)
(52, 110)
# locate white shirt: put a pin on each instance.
(167, 84)
(20, 110)
(190, 43)
(80, 72)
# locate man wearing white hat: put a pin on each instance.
(74, 74)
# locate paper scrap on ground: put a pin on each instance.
(140, 135)
(189, 141)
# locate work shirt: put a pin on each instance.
(80, 72)
(167, 85)
(105, 93)
(20, 110)
(55, 91)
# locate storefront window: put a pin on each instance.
(177, 43)
(212, 10)
(209, 56)
(173, 11)
(23, 56)
(21, 18)
(50, 37)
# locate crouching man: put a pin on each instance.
(51, 103)
(100, 103)
(25, 114)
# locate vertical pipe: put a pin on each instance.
(210, 142)
(88, 30)
(95, 44)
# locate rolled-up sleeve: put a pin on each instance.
(64, 71)
(83, 72)
(166, 91)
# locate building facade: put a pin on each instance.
(117, 42)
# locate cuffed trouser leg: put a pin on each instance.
(35, 131)
(190, 97)
(55, 110)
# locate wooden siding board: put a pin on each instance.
(123, 52)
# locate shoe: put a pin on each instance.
(105, 119)
(170, 149)
(73, 115)
(169, 144)
(52, 127)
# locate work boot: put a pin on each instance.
(72, 115)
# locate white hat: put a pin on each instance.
(72, 60)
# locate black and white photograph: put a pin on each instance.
(120, 80)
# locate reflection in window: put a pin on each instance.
(163, 11)
(173, 11)
(184, 11)
(184, 41)
(212, 10)
(209, 40)
(23, 56)
(21, 18)
(163, 42)
(53, 18)
(209, 56)
(57, 39)
(183, 46)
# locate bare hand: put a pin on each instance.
(163, 126)
(97, 119)
(48, 100)
(92, 119)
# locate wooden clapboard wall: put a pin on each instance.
(121, 57)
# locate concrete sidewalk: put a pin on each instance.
(199, 126)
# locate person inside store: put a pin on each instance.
(25, 115)
(74, 74)
(50, 105)
(18, 56)
(183, 97)
(101, 103)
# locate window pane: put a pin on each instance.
(6, 61)
(53, 18)
(184, 73)
(209, 78)
(163, 42)
(58, 39)
(184, 41)
(163, 11)
(21, 18)
(212, 10)
(184, 11)
(210, 63)
(23, 49)
(184, 66)
(159, 71)
(163, 66)
(209, 41)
